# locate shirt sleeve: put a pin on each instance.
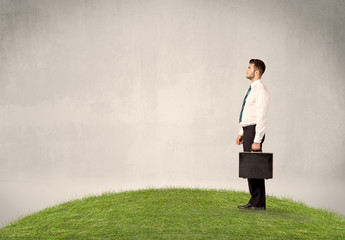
(241, 132)
(262, 100)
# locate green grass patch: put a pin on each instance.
(176, 214)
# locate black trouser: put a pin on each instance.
(256, 186)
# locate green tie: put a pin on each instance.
(244, 102)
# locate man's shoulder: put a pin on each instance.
(260, 87)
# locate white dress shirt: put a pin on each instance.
(255, 110)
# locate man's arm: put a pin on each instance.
(262, 99)
(239, 140)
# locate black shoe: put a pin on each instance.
(251, 207)
(247, 206)
(258, 208)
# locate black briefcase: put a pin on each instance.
(256, 165)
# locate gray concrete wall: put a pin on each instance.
(111, 95)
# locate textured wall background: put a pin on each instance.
(111, 95)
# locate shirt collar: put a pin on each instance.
(255, 83)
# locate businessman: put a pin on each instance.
(253, 118)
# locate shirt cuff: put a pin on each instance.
(257, 139)
(241, 132)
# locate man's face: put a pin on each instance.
(250, 71)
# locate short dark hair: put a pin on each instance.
(258, 65)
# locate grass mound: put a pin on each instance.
(176, 214)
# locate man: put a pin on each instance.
(253, 118)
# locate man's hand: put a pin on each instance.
(239, 140)
(256, 147)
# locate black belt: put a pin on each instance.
(246, 127)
